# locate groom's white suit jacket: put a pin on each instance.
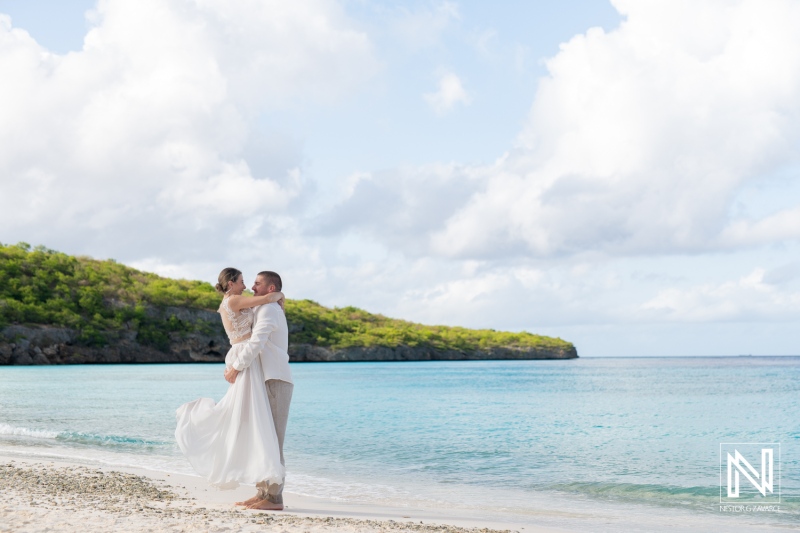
(270, 342)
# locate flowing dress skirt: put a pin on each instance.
(233, 441)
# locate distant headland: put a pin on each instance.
(61, 309)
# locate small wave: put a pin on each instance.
(94, 457)
(109, 440)
(81, 438)
(6, 429)
(642, 493)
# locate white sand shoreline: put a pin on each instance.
(28, 503)
(40, 494)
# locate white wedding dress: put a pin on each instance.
(233, 441)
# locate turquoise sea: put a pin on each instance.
(553, 441)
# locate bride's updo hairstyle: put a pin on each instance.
(227, 275)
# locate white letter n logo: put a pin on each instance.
(737, 463)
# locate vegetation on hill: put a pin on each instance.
(350, 326)
(42, 286)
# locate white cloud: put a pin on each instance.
(148, 127)
(232, 192)
(640, 139)
(450, 92)
(398, 207)
(157, 266)
(783, 225)
(746, 299)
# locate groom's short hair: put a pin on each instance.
(272, 278)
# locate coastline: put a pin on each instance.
(42, 344)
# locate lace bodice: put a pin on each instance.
(239, 325)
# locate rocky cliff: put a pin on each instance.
(41, 344)
(45, 345)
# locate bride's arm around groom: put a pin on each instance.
(270, 337)
(267, 320)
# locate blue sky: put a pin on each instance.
(621, 174)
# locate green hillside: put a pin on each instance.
(42, 286)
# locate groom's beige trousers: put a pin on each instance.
(280, 396)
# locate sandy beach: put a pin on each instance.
(61, 496)
(43, 495)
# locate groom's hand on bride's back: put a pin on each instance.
(230, 375)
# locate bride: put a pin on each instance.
(233, 441)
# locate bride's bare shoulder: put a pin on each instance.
(233, 302)
(228, 304)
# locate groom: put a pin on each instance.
(270, 343)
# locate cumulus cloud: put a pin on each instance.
(749, 298)
(147, 129)
(450, 92)
(398, 207)
(639, 140)
(782, 225)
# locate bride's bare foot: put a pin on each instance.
(250, 501)
(266, 505)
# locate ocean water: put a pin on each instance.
(551, 442)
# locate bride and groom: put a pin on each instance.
(240, 439)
